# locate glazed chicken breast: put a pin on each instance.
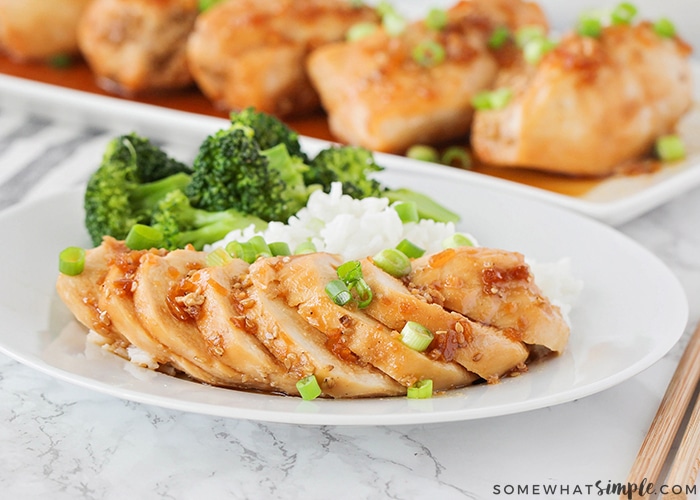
(589, 105)
(40, 29)
(249, 53)
(136, 46)
(378, 95)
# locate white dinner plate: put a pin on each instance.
(631, 311)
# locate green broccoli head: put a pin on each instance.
(269, 131)
(182, 225)
(231, 170)
(133, 175)
(349, 165)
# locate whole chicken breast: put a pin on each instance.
(590, 105)
(378, 96)
(40, 29)
(250, 53)
(135, 46)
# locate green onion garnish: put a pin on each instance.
(458, 240)
(259, 246)
(436, 19)
(393, 261)
(664, 27)
(71, 261)
(423, 389)
(364, 293)
(308, 388)
(279, 248)
(218, 257)
(205, 4)
(350, 271)
(360, 30)
(384, 8)
(305, 247)
(393, 23)
(534, 50)
(623, 13)
(499, 37)
(492, 99)
(142, 237)
(670, 148)
(456, 156)
(338, 291)
(429, 53)
(407, 210)
(241, 250)
(527, 34)
(409, 249)
(589, 26)
(416, 336)
(423, 153)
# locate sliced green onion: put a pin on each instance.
(384, 8)
(458, 240)
(393, 23)
(350, 271)
(429, 53)
(308, 388)
(416, 336)
(456, 156)
(364, 293)
(259, 246)
(534, 50)
(423, 152)
(407, 210)
(527, 34)
(664, 27)
(205, 4)
(492, 99)
(393, 261)
(71, 261)
(338, 291)
(670, 148)
(218, 257)
(142, 237)
(423, 389)
(305, 247)
(242, 250)
(499, 37)
(279, 248)
(409, 249)
(360, 30)
(623, 13)
(589, 26)
(436, 19)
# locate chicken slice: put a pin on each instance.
(134, 46)
(302, 347)
(168, 314)
(378, 96)
(481, 349)
(249, 53)
(590, 105)
(301, 283)
(81, 293)
(40, 30)
(222, 325)
(494, 287)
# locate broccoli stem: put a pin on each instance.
(147, 195)
(427, 207)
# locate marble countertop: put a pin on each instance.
(62, 441)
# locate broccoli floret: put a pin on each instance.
(231, 170)
(349, 165)
(181, 224)
(133, 175)
(269, 131)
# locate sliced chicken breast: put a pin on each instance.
(494, 287)
(378, 95)
(301, 282)
(590, 105)
(485, 350)
(305, 349)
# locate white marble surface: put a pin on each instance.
(60, 441)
